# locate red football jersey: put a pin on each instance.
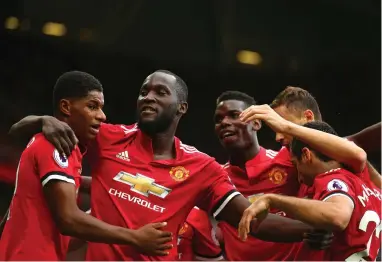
(131, 189)
(267, 172)
(30, 232)
(197, 238)
(360, 241)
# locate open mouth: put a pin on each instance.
(227, 134)
(148, 109)
(95, 128)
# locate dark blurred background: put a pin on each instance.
(331, 48)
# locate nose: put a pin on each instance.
(101, 116)
(279, 137)
(225, 122)
(150, 96)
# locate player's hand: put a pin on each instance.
(151, 241)
(59, 134)
(257, 210)
(266, 114)
(318, 239)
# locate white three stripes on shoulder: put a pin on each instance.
(270, 153)
(129, 130)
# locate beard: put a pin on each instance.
(160, 124)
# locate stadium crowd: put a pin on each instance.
(85, 189)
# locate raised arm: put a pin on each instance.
(57, 132)
(333, 146)
(370, 141)
(369, 138)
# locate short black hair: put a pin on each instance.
(180, 88)
(297, 99)
(74, 84)
(236, 95)
(297, 145)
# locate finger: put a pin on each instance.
(161, 253)
(69, 142)
(164, 234)
(159, 224)
(72, 137)
(242, 231)
(164, 240)
(165, 247)
(64, 146)
(253, 118)
(57, 145)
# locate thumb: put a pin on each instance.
(159, 225)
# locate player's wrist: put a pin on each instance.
(288, 127)
(130, 236)
(271, 200)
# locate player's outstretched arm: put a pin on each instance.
(56, 131)
(273, 228)
(333, 146)
(71, 221)
(369, 138)
(332, 215)
(370, 141)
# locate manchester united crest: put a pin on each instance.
(183, 229)
(277, 176)
(179, 173)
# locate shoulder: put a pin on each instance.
(189, 152)
(335, 180)
(39, 143)
(118, 128)
(283, 157)
(42, 150)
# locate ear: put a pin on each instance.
(182, 108)
(306, 155)
(64, 107)
(309, 115)
(256, 125)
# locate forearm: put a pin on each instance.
(85, 186)
(88, 228)
(375, 176)
(369, 138)
(26, 128)
(275, 228)
(76, 244)
(318, 214)
(330, 145)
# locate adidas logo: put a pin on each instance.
(123, 155)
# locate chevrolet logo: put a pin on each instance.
(142, 184)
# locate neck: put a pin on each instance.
(327, 166)
(163, 143)
(240, 156)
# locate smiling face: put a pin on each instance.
(158, 105)
(233, 133)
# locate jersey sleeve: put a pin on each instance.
(335, 184)
(219, 191)
(51, 165)
(205, 244)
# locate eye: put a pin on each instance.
(143, 93)
(162, 92)
(217, 119)
(92, 107)
(235, 115)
